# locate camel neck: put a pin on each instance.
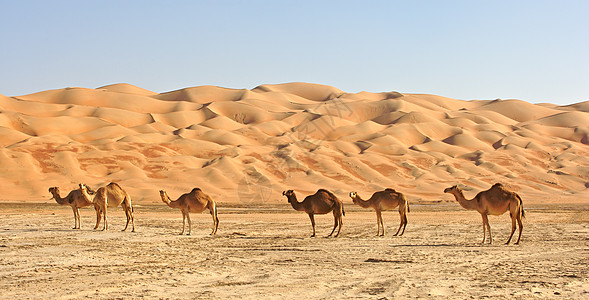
(467, 204)
(171, 203)
(362, 203)
(295, 204)
(86, 196)
(60, 201)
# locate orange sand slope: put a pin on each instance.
(248, 145)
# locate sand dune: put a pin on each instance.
(296, 135)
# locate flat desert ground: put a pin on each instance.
(266, 252)
(244, 147)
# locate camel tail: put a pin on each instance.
(521, 206)
(343, 211)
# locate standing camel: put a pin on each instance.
(110, 196)
(196, 201)
(321, 202)
(73, 199)
(385, 200)
(494, 201)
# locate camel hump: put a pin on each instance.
(114, 185)
(194, 190)
(327, 192)
(498, 186)
(390, 190)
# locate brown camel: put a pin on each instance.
(196, 201)
(385, 200)
(494, 201)
(73, 199)
(111, 195)
(321, 202)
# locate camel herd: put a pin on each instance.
(495, 201)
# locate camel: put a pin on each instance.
(494, 201)
(322, 202)
(111, 195)
(73, 199)
(385, 200)
(196, 201)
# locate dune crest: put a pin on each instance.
(249, 145)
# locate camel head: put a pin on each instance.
(353, 195)
(87, 189)
(164, 196)
(453, 189)
(289, 194)
(54, 191)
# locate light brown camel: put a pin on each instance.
(110, 196)
(321, 202)
(385, 200)
(196, 201)
(73, 199)
(494, 201)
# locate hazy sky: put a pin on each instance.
(536, 51)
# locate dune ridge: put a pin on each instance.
(249, 145)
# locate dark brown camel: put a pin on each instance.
(322, 202)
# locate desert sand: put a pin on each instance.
(244, 147)
(265, 252)
(250, 145)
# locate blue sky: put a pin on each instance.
(536, 51)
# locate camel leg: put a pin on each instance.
(404, 223)
(489, 229)
(381, 223)
(132, 219)
(312, 217)
(337, 221)
(128, 219)
(183, 222)
(521, 226)
(75, 218)
(485, 221)
(512, 228)
(189, 222)
(378, 223)
(340, 222)
(215, 220)
(400, 224)
(130, 210)
(105, 227)
(129, 213)
(98, 215)
(79, 218)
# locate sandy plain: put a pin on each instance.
(265, 251)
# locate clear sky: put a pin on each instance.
(536, 51)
